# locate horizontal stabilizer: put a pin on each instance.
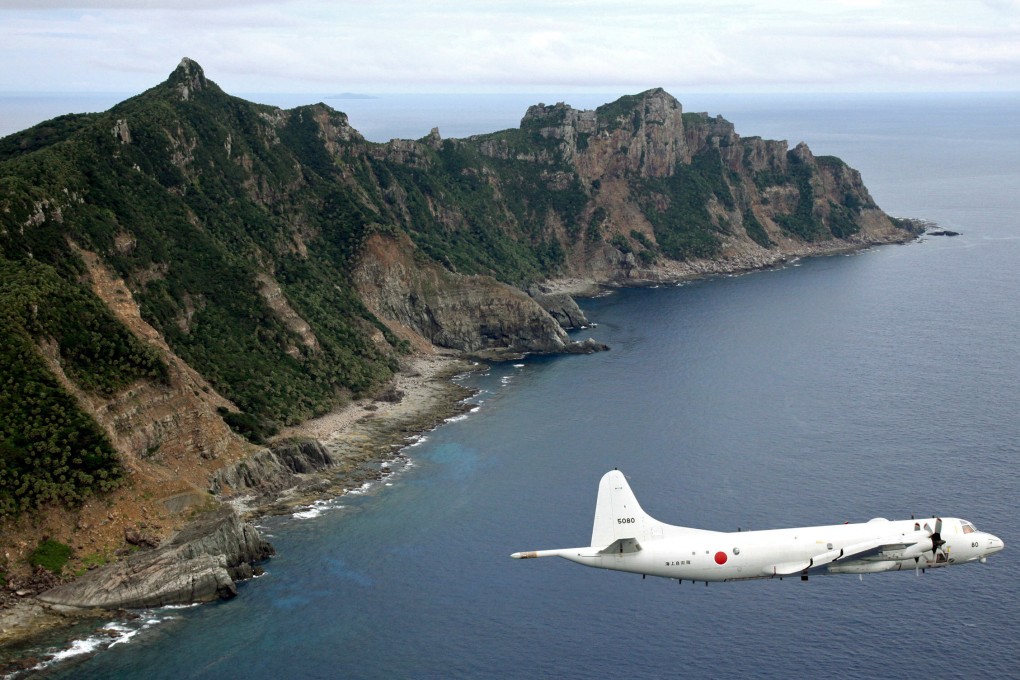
(621, 546)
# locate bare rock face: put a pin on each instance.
(469, 313)
(645, 136)
(199, 564)
(189, 78)
(560, 306)
(271, 470)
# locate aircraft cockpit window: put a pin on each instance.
(968, 528)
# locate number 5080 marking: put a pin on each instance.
(625, 520)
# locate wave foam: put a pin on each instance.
(315, 509)
(112, 634)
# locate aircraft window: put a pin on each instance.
(968, 528)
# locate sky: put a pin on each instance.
(386, 46)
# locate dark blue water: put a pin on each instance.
(843, 388)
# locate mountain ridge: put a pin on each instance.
(211, 269)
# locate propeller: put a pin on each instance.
(936, 538)
(936, 542)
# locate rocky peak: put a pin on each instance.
(660, 105)
(188, 78)
(434, 139)
(641, 134)
(802, 153)
(648, 128)
(557, 116)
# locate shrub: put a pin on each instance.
(253, 428)
(50, 555)
(620, 242)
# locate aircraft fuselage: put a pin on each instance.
(625, 538)
(776, 553)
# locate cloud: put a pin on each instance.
(391, 45)
(141, 5)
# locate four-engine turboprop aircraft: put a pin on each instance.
(626, 539)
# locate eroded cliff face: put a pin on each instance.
(170, 438)
(200, 563)
(423, 302)
(639, 135)
(647, 170)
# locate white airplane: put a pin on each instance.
(625, 538)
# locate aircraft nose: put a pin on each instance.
(995, 544)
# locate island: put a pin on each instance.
(214, 309)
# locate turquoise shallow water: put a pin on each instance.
(879, 384)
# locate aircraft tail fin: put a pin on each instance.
(618, 516)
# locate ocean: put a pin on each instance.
(884, 383)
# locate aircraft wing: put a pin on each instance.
(857, 550)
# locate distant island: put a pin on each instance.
(194, 287)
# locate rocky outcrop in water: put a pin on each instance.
(201, 563)
(560, 306)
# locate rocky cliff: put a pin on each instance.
(474, 314)
(198, 564)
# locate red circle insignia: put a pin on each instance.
(720, 557)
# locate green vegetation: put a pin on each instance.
(841, 221)
(96, 352)
(642, 239)
(756, 230)
(50, 451)
(685, 229)
(693, 118)
(764, 179)
(594, 231)
(803, 223)
(504, 235)
(620, 242)
(44, 134)
(176, 213)
(251, 427)
(624, 110)
(236, 228)
(50, 555)
(91, 561)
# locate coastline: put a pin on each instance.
(365, 437)
(674, 272)
(366, 434)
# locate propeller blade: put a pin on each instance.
(936, 538)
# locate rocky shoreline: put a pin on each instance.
(320, 458)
